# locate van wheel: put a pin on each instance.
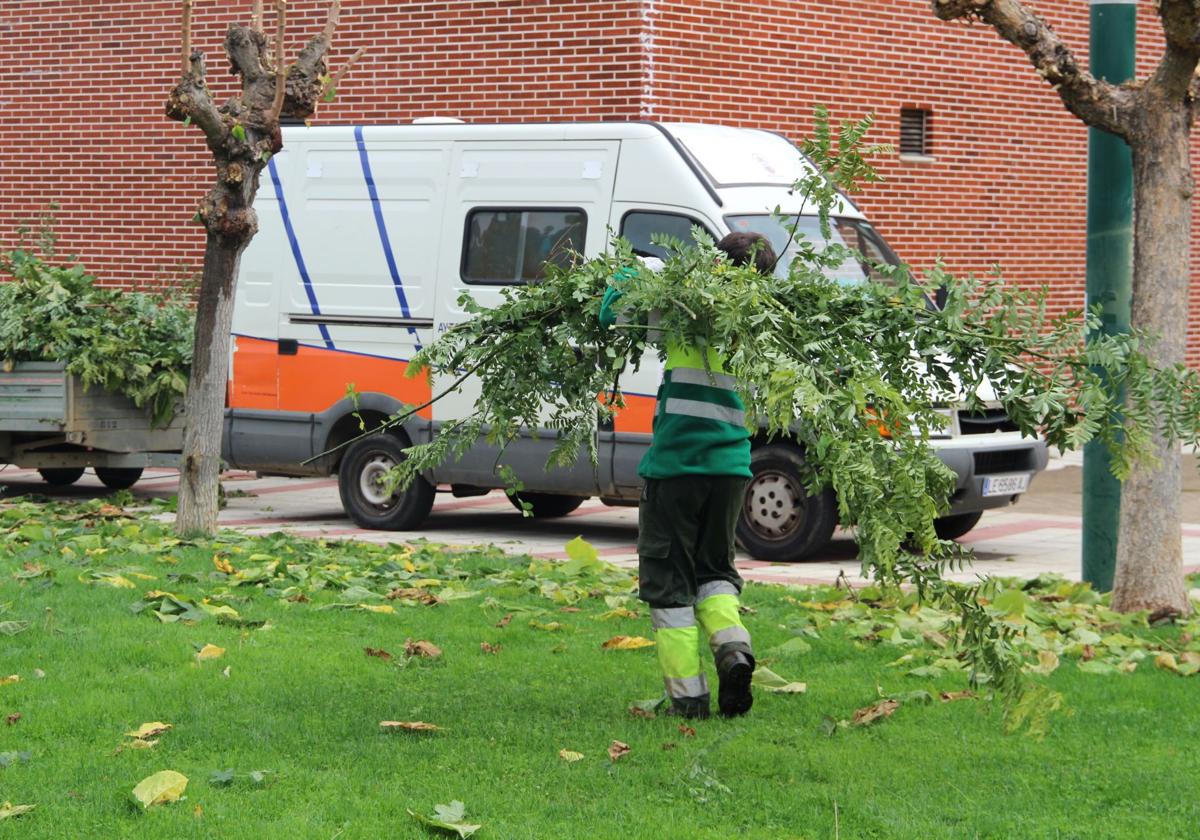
(548, 505)
(953, 527)
(118, 478)
(367, 501)
(61, 476)
(780, 522)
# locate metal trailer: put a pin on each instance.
(50, 422)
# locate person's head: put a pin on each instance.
(742, 247)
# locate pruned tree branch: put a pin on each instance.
(256, 15)
(279, 68)
(331, 22)
(187, 35)
(336, 79)
(1096, 102)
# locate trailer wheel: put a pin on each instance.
(953, 527)
(61, 476)
(118, 478)
(548, 505)
(779, 521)
(367, 501)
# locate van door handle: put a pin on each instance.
(289, 346)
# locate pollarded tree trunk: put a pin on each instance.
(1154, 116)
(242, 135)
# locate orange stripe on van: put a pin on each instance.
(636, 416)
(316, 378)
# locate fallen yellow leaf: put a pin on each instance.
(149, 730)
(223, 565)
(570, 756)
(378, 608)
(10, 679)
(210, 652)
(408, 726)
(1166, 661)
(164, 786)
(626, 643)
(9, 810)
(617, 749)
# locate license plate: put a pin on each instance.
(1005, 485)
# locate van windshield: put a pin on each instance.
(854, 233)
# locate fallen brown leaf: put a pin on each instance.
(504, 621)
(641, 713)
(687, 731)
(408, 726)
(870, 714)
(1088, 653)
(669, 745)
(422, 648)
(951, 696)
(488, 647)
(378, 653)
(421, 596)
(13, 718)
(626, 643)
(569, 609)
(617, 749)
(299, 598)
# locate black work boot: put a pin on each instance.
(735, 669)
(695, 708)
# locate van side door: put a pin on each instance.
(514, 205)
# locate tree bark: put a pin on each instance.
(1149, 572)
(204, 406)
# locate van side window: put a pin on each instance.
(512, 246)
(639, 226)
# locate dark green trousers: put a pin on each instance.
(685, 536)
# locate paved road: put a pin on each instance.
(1039, 534)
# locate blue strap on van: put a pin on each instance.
(301, 267)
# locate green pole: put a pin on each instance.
(1109, 270)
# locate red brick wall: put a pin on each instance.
(1008, 179)
(84, 83)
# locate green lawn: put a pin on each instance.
(302, 700)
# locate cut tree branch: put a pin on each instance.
(336, 79)
(1096, 102)
(186, 26)
(280, 67)
(256, 15)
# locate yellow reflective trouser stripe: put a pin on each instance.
(718, 615)
(678, 651)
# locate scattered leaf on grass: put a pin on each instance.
(422, 648)
(7, 758)
(12, 628)
(792, 646)
(13, 718)
(870, 714)
(419, 596)
(647, 708)
(408, 726)
(149, 730)
(225, 673)
(504, 621)
(951, 696)
(552, 626)
(378, 653)
(1047, 663)
(619, 612)
(687, 731)
(626, 643)
(209, 652)
(488, 647)
(39, 674)
(669, 745)
(164, 786)
(617, 749)
(569, 609)
(570, 756)
(10, 679)
(448, 818)
(221, 777)
(9, 810)
(768, 680)
(223, 565)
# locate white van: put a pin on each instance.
(369, 235)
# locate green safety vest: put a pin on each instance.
(699, 421)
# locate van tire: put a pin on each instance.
(780, 522)
(61, 476)
(547, 505)
(118, 478)
(364, 463)
(953, 527)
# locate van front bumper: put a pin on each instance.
(973, 460)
